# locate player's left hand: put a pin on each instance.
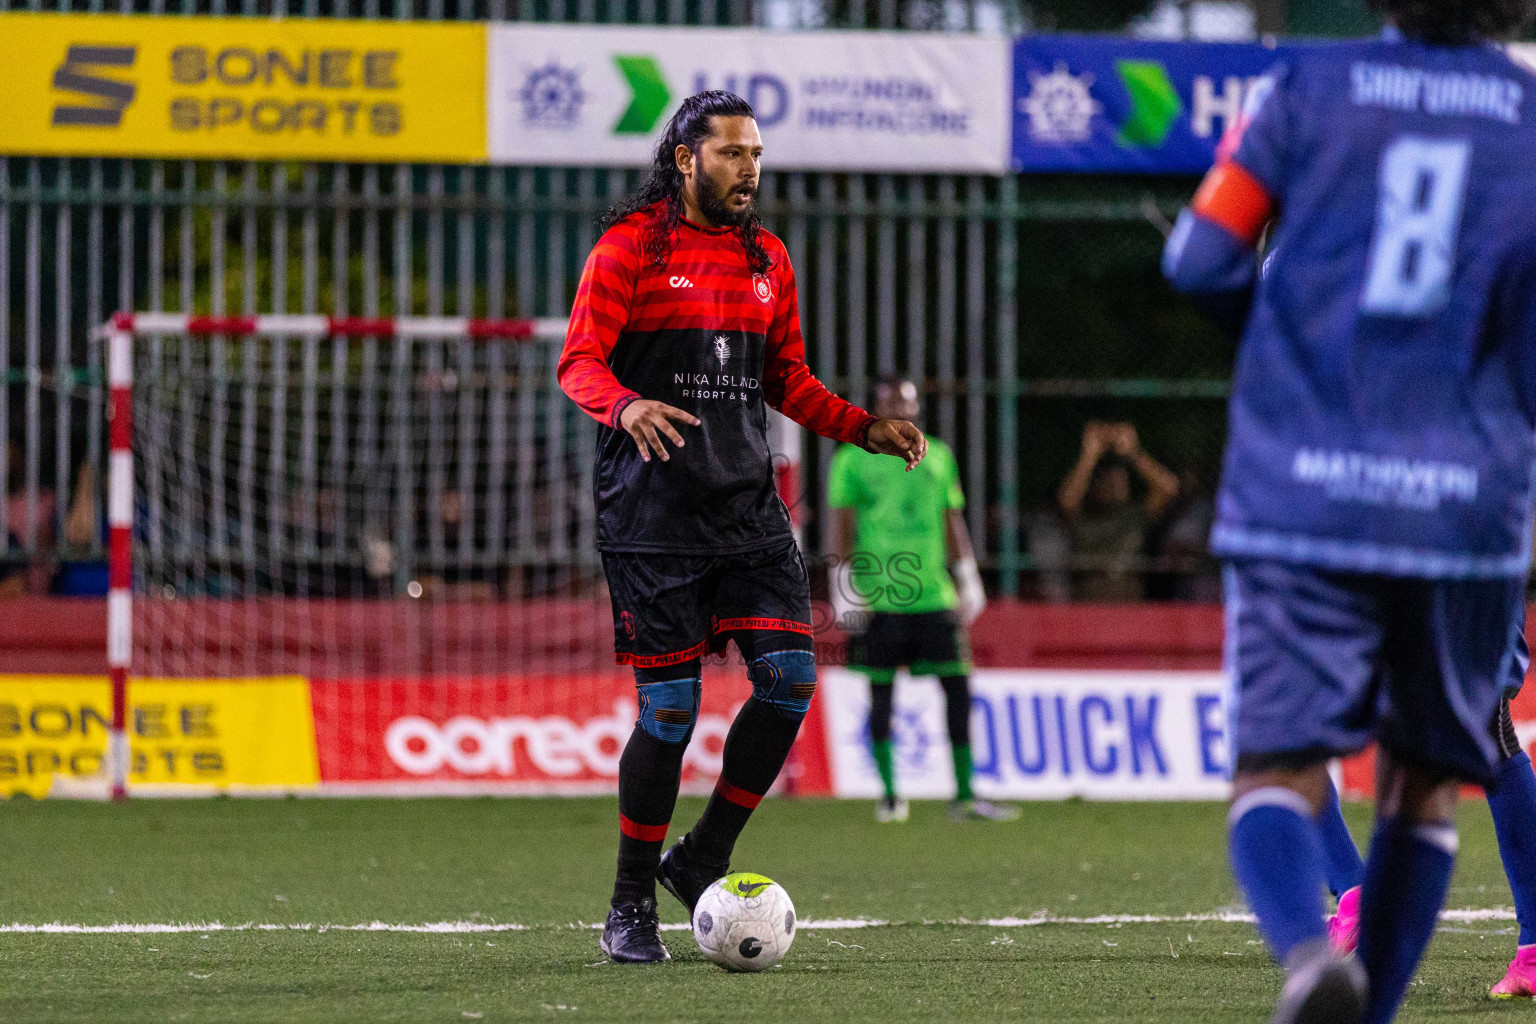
(900, 438)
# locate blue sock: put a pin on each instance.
(1406, 879)
(1513, 805)
(1341, 858)
(1277, 858)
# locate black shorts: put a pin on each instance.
(927, 643)
(670, 608)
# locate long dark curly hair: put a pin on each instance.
(690, 126)
(1457, 21)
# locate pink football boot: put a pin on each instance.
(1520, 980)
(1344, 925)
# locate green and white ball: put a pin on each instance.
(744, 922)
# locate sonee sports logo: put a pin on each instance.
(113, 95)
(680, 282)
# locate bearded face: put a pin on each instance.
(725, 200)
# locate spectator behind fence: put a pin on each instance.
(84, 529)
(23, 572)
(1108, 528)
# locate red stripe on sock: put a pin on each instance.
(738, 796)
(644, 833)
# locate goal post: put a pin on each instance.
(205, 449)
(397, 511)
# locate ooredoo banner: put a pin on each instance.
(263, 88)
(531, 734)
(865, 101)
(1043, 735)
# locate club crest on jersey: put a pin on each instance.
(761, 286)
(722, 349)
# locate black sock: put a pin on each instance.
(880, 708)
(649, 773)
(755, 750)
(957, 714)
(957, 709)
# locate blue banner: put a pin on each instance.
(1106, 105)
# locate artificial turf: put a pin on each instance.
(547, 864)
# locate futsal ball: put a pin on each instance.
(744, 922)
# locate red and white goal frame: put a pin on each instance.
(120, 333)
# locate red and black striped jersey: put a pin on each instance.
(705, 334)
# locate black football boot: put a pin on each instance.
(684, 876)
(633, 934)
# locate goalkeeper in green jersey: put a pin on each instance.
(897, 534)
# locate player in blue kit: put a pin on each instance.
(1512, 803)
(1376, 500)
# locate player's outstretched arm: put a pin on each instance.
(900, 438)
(648, 421)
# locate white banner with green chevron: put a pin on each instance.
(866, 101)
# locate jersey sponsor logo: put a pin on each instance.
(722, 349)
(679, 281)
(762, 287)
(1385, 480)
(725, 386)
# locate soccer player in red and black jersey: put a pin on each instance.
(684, 332)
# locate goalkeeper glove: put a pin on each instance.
(973, 597)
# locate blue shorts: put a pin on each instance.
(1322, 663)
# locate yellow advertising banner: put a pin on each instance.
(257, 88)
(204, 734)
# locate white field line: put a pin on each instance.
(1464, 916)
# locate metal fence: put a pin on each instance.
(1020, 305)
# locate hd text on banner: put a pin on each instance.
(1106, 105)
(257, 88)
(866, 101)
